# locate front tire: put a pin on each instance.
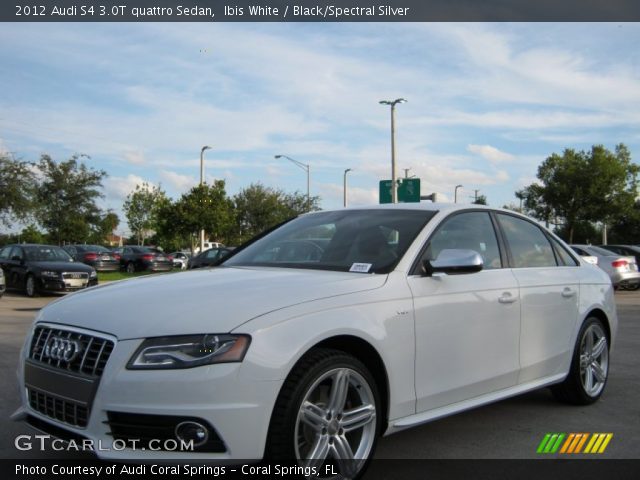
(327, 415)
(30, 286)
(589, 367)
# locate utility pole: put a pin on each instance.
(394, 186)
(206, 147)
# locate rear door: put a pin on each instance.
(548, 278)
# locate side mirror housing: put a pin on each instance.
(454, 262)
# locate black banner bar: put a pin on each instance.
(583, 469)
(319, 10)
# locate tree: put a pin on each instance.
(258, 208)
(203, 207)
(31, 234)
(108, 222)
(141, 208)
(17, 184)
(592, 186)
(626, 229)
(480, 200)
(67, 194)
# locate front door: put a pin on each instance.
(468, 325)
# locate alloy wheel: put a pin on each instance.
(336, 422)
(594, 360)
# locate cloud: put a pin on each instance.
(492, 154)
(355, 195)
(179, 182)
(117, 188)
(135, 157)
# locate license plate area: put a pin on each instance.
(69, 387)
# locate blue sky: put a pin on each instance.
(487, 103)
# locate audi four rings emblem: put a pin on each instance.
(61, 349)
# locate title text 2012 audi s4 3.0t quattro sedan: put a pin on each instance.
(380, 319)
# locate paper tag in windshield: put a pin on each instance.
(360, 267)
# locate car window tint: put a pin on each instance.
(4, 253)
(467, 231)
(580, 252)
(564, 257)
(601, 251)
(529, 246)
(211, 253)
(17, 252)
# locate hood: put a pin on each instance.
(201, 301)
(61, 266)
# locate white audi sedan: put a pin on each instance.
(319, 336)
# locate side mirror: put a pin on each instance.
(454, 261)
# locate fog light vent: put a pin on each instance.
(192, 432)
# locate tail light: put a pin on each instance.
(619, 263)
(170, 258)
(148, 257)
(90, 256)
(116, 256)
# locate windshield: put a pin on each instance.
(366, 241)
(44, 253)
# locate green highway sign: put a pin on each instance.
(408, 190)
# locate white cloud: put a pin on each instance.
(355, 195)
(135, 157)
(117, 188)
(492, 154)
(179, 182)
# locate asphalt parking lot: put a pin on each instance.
(510, 429)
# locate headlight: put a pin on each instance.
(93, 274)
(189, 351)
(49, 273)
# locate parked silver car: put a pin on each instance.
(623, 270)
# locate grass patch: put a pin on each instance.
(112, 276)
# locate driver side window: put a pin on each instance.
(467, 231)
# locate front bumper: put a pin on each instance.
(57, 285)
(239, 409)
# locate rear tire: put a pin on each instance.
(131, 268)
(327, 414)
(589, 366)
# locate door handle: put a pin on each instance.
(507, 298)
(568, 293)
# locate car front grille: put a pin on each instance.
(91, 358)
(75, 276)
(63, 410)
(62, 372)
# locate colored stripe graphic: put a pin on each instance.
(573, 443)
(551, 442)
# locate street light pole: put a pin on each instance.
(345, 186)
(206, 147)
(455, 193)
(306, 167)
(394, 186)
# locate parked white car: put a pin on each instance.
(411, 312)
(180, 260)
